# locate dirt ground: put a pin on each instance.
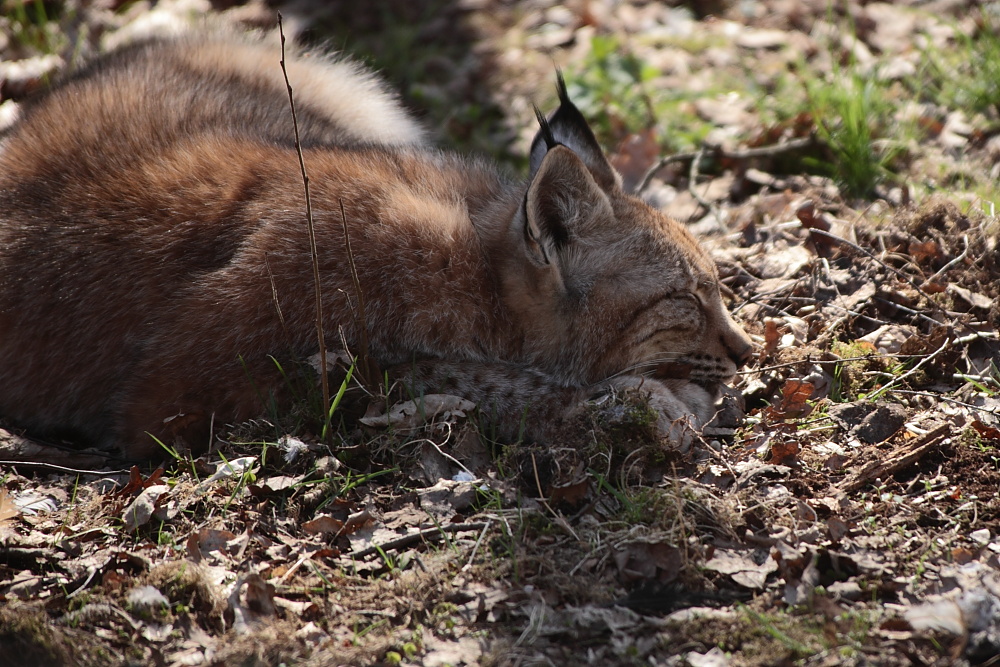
(845, 512)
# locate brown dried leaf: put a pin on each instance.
(794, 396)
(742, 567)
(447, 497)
(821, 244)
(784, 452)
(136, 481)
(358, 520)
(251, 600)
(8, 510)
(986, 432)
(203, 542)
(572, 494)
(273, 485)
(323, 524)
(772, 335)
(644, 561)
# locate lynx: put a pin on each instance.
(154, 256)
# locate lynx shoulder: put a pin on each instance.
(154, 259)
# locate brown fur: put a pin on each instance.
(151, 206)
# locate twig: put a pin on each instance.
(850, 244)
(413, 538)
(886, 387)
(882, 469)
(475, 548)
(558, 518)
(745, 154)
(692, 183)
(948, 399)
(965, 252)
(313, 252)
(440, 451)
(810, 360)
(274, 294)
(53, 466)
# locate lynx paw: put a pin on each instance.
(684, 408)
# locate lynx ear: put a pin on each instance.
(561, 194)
(567, 127)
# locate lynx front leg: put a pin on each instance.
(517, 401)
(524, 402)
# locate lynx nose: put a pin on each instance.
(742, 354)
(737, 343)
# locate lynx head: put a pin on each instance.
(603, 283)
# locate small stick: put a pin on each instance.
(810, 360)
(313, 252)
(58, 468)
(274, 294)
(692, 183)
(886, 387)
(960, 258)
(475, 548)
(882, 469)
(437, 532)
(745, 154)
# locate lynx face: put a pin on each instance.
(154, 257)
(617, 286)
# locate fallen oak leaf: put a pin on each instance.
(572, 494)
(795, 394)
(635, 155)
(772, 336)
(925, 253)
(274, 485)
(822, 245)
(251, 600)
(358, 520)
(742, 566)
(644, 560)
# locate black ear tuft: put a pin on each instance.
(544, 132)
(561, 87)
(568, 127)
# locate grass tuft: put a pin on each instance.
(850, 115)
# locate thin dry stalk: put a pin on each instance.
(313, 252)
(367, 370)
(274, 295)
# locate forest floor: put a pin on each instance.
(841, 162)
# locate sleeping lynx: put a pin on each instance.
(154, 255)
